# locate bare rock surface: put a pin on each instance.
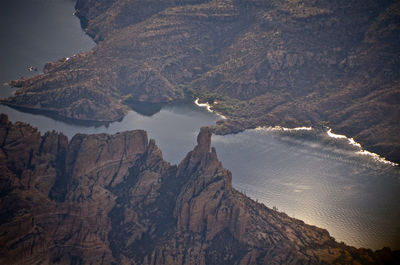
(260, 63)
(112, 199)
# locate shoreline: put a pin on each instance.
(208, 107)
(362, 151)
(332, 135)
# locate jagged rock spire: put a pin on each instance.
(203, 140)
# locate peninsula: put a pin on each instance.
(283, 63)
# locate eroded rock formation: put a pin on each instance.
(289, 63)
(102, 199)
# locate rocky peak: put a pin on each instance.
(203, 140)
(123, 204)
(206, 183)
(201, 156)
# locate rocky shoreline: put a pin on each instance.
(112, 199)
(277, 63)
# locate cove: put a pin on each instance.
(308, 175)
(50, 31)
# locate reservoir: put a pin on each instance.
(306, 174)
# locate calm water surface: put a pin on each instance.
(319, 180)
(33, 32)
(305, 174)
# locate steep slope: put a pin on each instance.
(102, 199)
(257, 62)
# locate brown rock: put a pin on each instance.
(288, 63)
(103, 199)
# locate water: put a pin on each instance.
(305, 174)
(174, 127)
(33, 32)
(319, 180)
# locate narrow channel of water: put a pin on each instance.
(174, 127)
(38, 31)
(308, 175)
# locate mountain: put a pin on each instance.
(260, 63)
(112, 199)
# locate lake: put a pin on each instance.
(307, 174)
(320, 180)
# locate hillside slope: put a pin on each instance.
(112, 199)
(289, 63)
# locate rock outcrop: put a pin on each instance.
(102, 199)
(289, 63)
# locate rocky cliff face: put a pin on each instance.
(102, 199)
(289, 63)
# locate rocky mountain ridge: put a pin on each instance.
(260, 63)
(112, 199)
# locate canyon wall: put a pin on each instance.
(112, 199)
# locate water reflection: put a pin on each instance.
(146, 109)
(320, 180)
(36, 32)
(174, 127)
